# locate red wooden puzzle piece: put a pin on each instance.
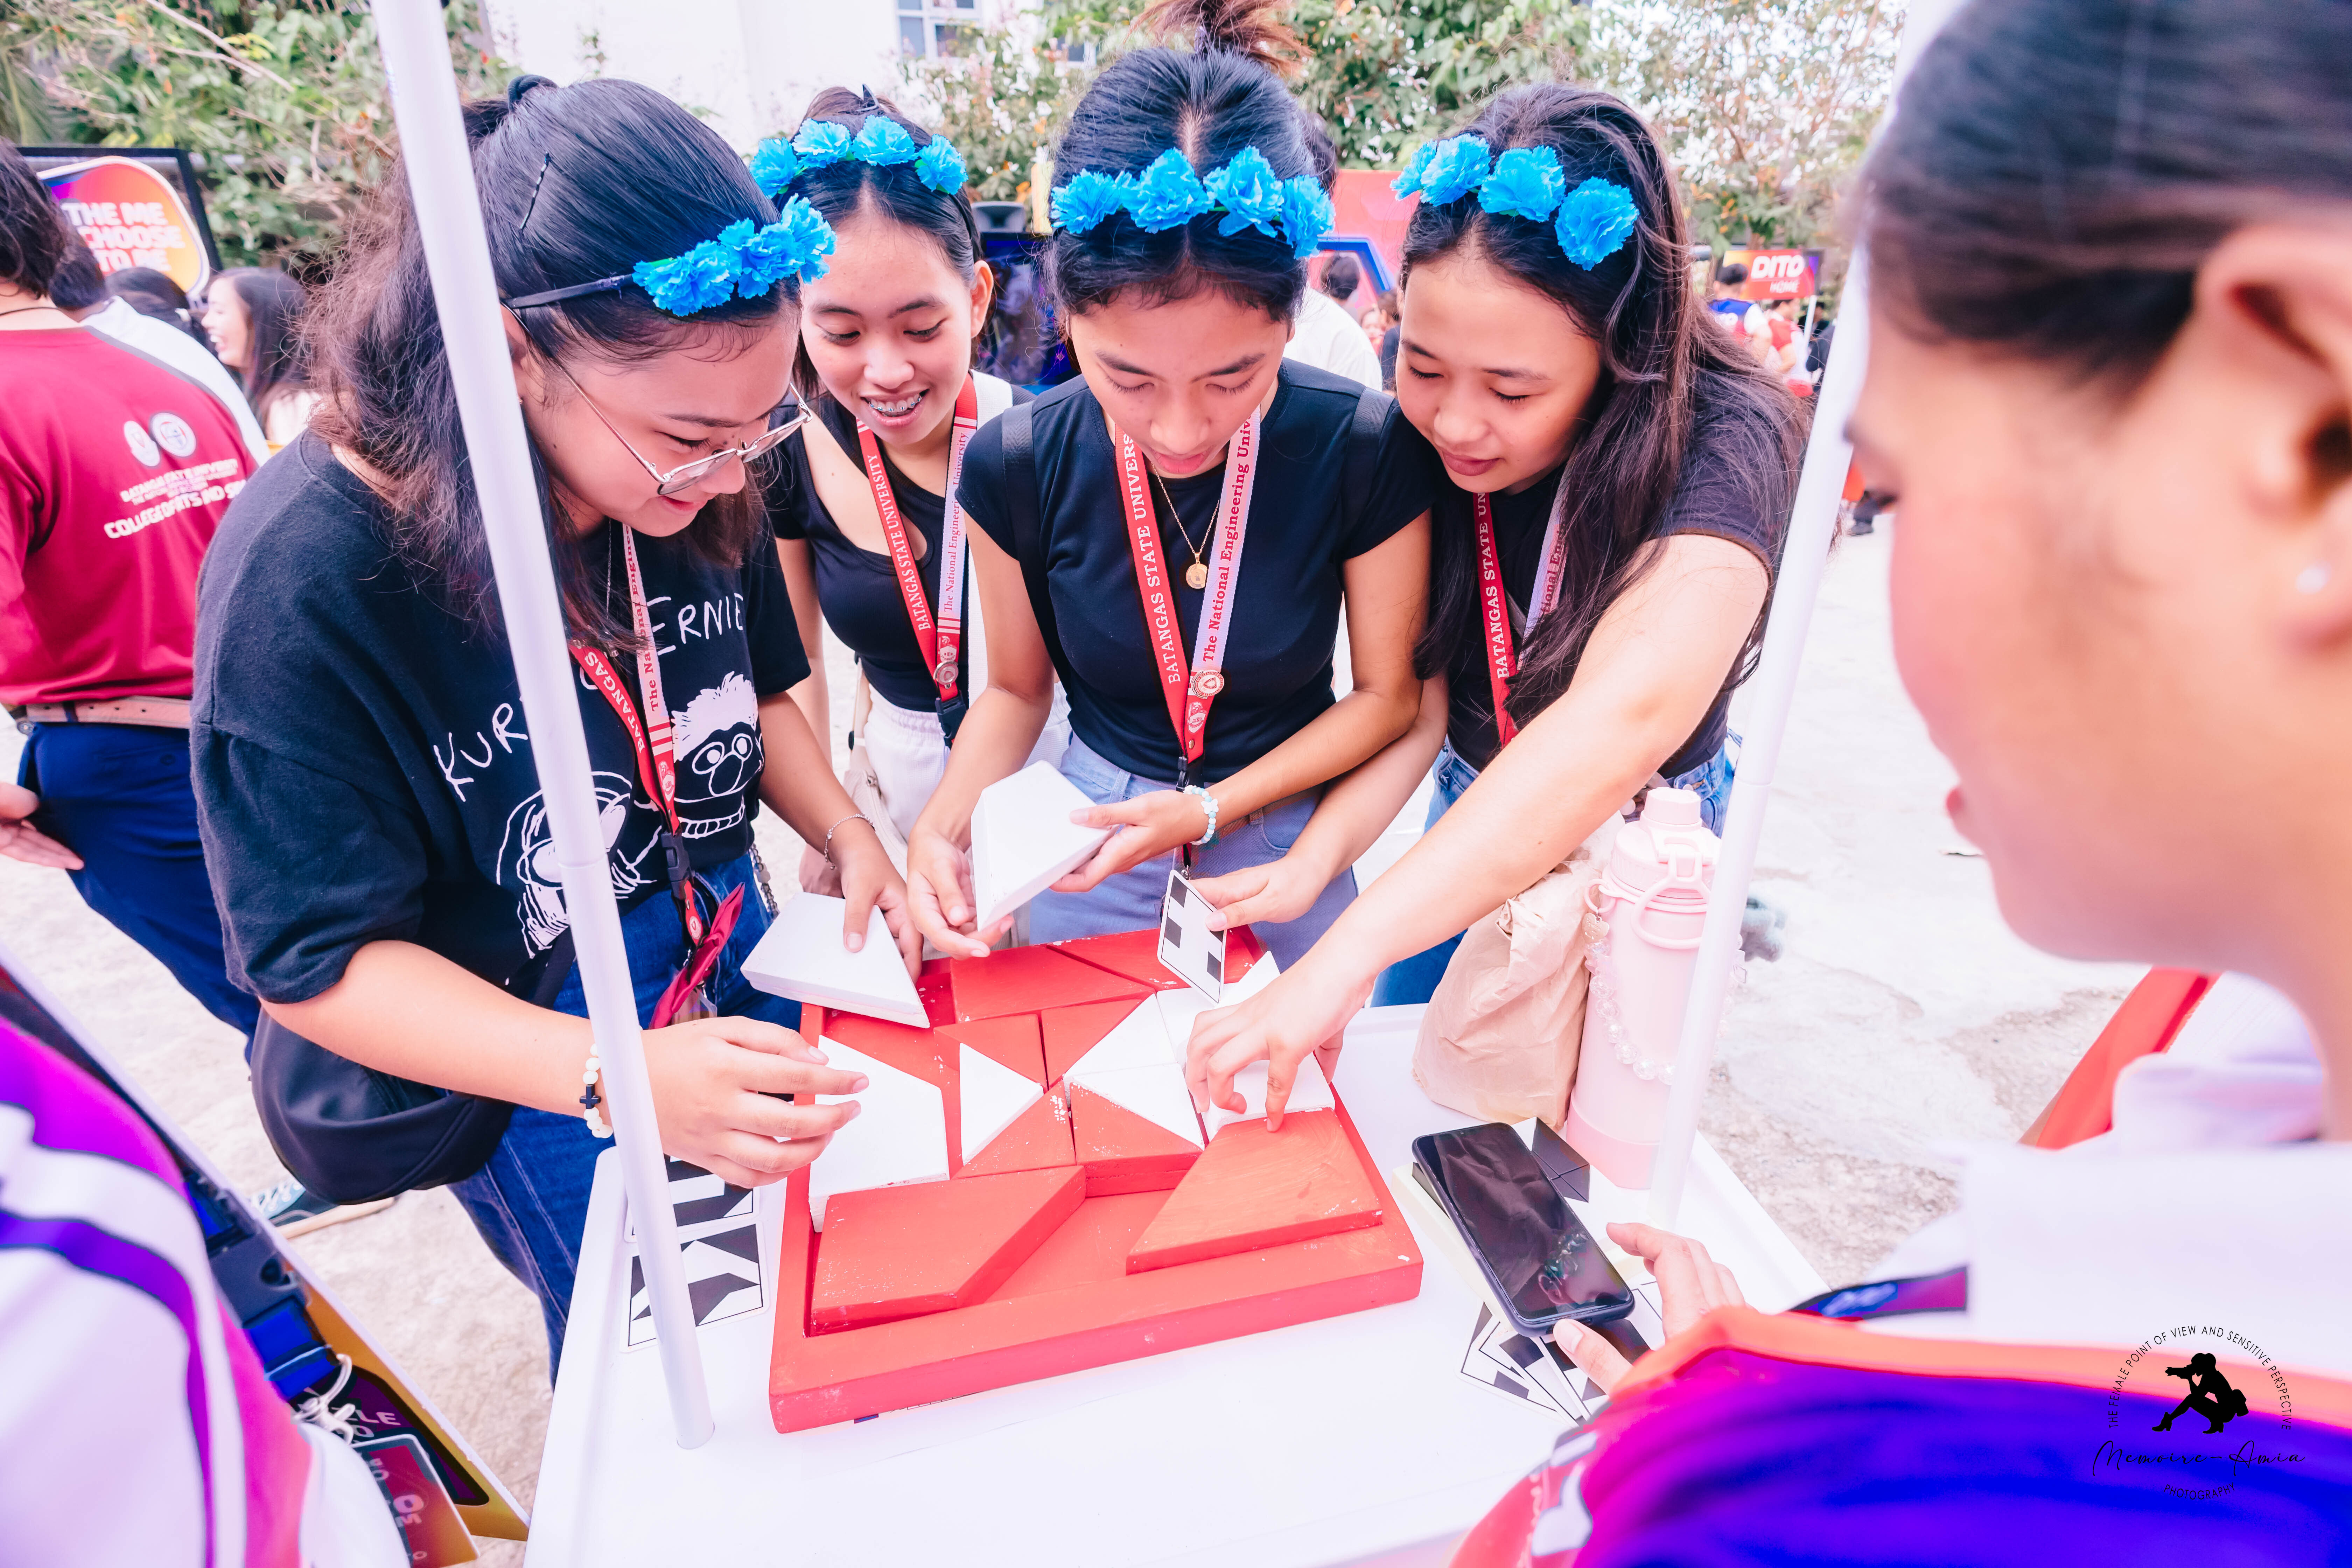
(1124, 1152)
(918, 1051)
(1029, 980)
(1013, 1041)
(1039, 1137)
(898, 1252)
(1132, 954)
(1253, 1189)
(1072, 1306)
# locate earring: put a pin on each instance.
(2314, 577)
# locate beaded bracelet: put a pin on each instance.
(1208, 804)
(590, 1100)
(853, 816)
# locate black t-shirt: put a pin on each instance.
(1285, 616)
(858, 589)
(363, 768)
(1709, 500)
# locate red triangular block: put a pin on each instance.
(1013, 1041)
(900, 1252)
(1132, 954)
(1122, 1151)
(938, 992)
(1253, 1189)
(918, 1051)
(1070, 1033)
(1038, 1138)
(1028, 980)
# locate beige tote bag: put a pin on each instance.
(1499, 1038)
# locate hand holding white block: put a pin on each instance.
(802, 957)
(1022, 839)
(1310, 1090)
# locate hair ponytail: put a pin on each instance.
(1254, 29)
(577, 183)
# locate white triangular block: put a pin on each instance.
(1310, 1090)
(1022, 839)
(1139, 1039)
(802, 957)
(994, 1096)
(1154, 1091)
(899, 1134)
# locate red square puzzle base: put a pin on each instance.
(1072, 1305)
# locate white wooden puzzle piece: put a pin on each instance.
(1154, 1091)
(802, 957)
(1310, 1090)
(1179, 1010)
(899, 1135)
(1023, 840)
(993, 1097)
(1139, 1039)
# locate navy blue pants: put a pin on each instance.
(119, 796)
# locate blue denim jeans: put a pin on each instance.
(1130, 901)
(530, 1202)
(1413, 980)
(119, 796)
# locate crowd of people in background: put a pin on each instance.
(271, 738)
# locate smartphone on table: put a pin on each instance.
(1543, 1266)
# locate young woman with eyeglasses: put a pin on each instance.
(1174, 533)
(859, 497)
(371, 806)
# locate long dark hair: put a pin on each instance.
(33, 237)
(2057, 169)
(841, 190)
(1672, 384)
(274, 358)
(1219, 94)
(577, 183)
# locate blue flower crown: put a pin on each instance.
(881, 142)
(1592, 221)
(1249, 192)
(744, 262)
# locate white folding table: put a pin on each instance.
(1352, 1440)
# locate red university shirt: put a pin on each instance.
(114, 473)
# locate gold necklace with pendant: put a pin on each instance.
(1196, 576)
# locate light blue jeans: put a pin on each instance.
(530, 1202)
(1130, 901)
(1413, 980)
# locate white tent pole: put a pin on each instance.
(449, 218)
(1813, 525)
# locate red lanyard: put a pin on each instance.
(657, 759)
(940, 638)
(1502, 658)
(1189, 695)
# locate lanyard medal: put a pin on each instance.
(657, 770)
(939, 634)
(1494, 603)
(1189, 693)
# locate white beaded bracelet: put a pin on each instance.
(590, 1099)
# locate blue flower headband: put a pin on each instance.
(882, 141)
(1249, 192)
(744, 262)
(1592, 221)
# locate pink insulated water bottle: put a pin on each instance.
(1644, 919)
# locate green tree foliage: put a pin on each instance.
(999, 96)
(1767, 105)
(281, 102)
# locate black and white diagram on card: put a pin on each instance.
(717, 1233)
(1187, 946)
(1498, 1356)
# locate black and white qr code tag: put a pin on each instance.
(1187, 946)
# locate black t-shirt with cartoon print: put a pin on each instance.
(361, 766)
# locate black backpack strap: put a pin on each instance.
(1364, 434)
(1019, 492)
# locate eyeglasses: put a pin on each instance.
(686, 476)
